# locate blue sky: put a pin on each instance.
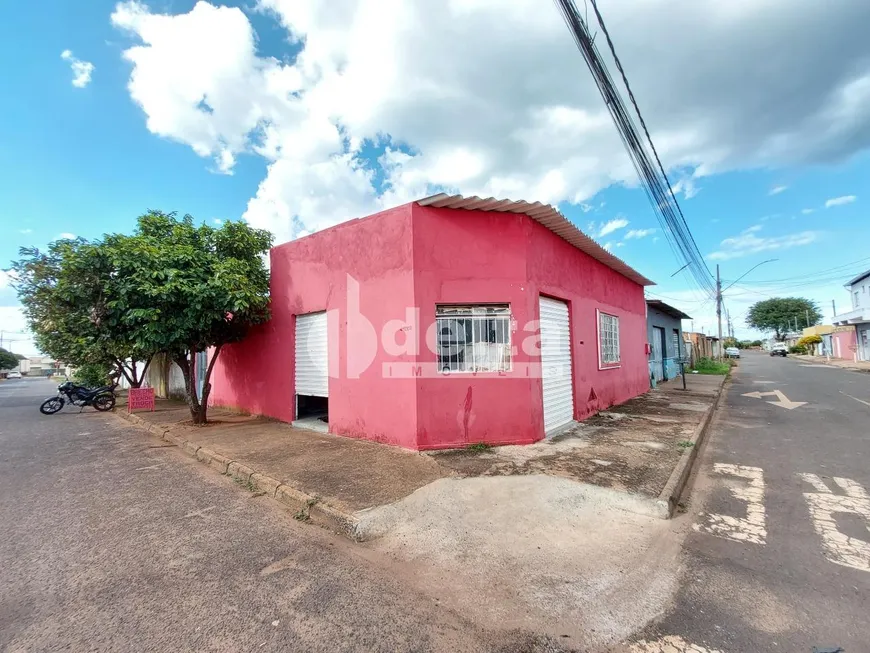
(276, 113)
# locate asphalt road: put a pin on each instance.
(114, 541)
(778, 558)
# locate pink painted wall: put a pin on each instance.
(414, 256)
(478, 257)
(309, 275)
(844, 343)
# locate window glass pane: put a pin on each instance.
(608, 329)
(473, 338)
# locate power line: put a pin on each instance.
(652, 175)
(817, 272)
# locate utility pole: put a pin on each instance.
(719, 308)
(834, 306)
(808, 317)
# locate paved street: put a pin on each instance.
(114, 541)
(779, 554)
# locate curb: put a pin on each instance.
(667, 502)
(306, 507)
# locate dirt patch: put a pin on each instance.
(632, 448)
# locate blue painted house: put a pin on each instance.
(664, 325)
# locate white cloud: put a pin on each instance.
(608, 246)
(217, 221)
(687, 187)
(639, 233)
(25, 231)
(456, 102)
(747, 243)
(612, 225)
(807, 211)
(66, 236)
(82, 70)
(776, 190)
(840, 201)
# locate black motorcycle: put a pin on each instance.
(102, 398)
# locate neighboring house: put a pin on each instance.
(858, 317)
(844, 342)
(665, 335)
(46, 366)
(703, 346)
(824, 332)
(443, 322)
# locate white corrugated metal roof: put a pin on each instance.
(545, 215)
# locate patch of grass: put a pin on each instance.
(709, 366)
(685, 444)
(301, 515)
(479, 446)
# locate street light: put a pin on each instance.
(719, 296)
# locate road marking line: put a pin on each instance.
(823, 505)
(815, 481)
(781, 400)
(670, 644)
(866, 403)
(752, 527)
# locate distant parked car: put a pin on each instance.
(13, 375)
(779, 349)
(732, 352)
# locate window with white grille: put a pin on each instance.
(608, 339)
(473, 338)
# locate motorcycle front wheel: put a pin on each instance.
(104, 402)
(51, 406)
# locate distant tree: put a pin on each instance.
(730, 342)
(778, 315)
(190, 289)
(70, 297)
(755, 343)
(8, 360)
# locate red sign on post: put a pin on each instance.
(140, 398)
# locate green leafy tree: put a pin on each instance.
(186, 289)
(69, 293)
(8, 360)
(778, 315)
(92, 375)
(730, 342)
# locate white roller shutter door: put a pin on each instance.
(312, 370)
(556, 364)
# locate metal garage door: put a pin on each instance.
(312, 378)
(556, 365)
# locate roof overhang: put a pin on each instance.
(860, 277)
(667, 309)
(546, 215)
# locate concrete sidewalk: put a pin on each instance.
(636, 449)
(855, 366)
(324, 478)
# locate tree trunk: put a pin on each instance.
(197, 415)
(134, 377)
(206, 385)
